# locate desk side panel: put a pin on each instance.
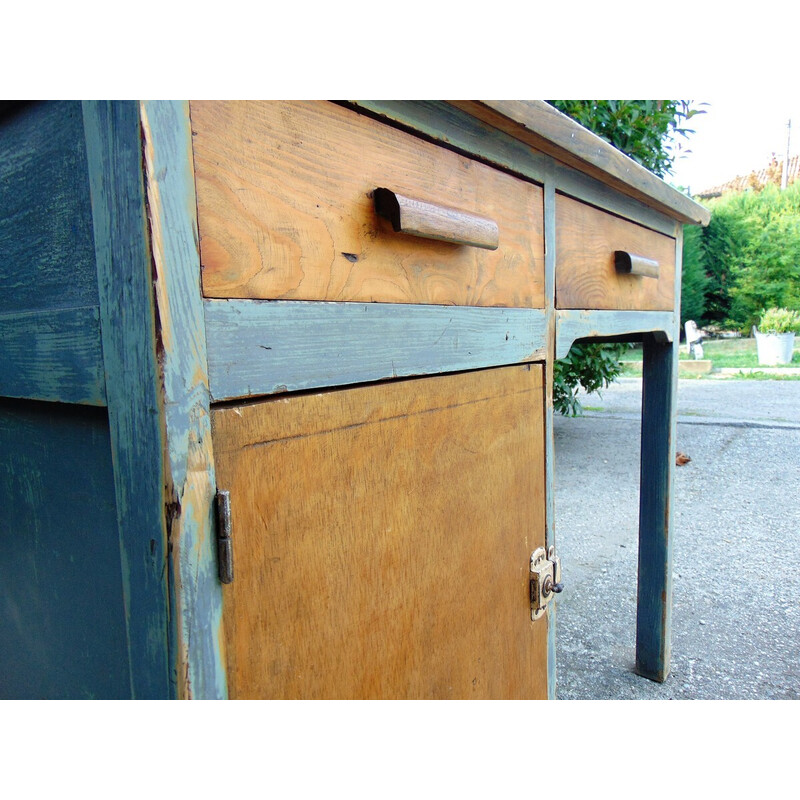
(46, 241)
(62, 621)
(49, 332)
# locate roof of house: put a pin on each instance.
(757, 179)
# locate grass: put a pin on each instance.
(760, 376)
(635, 371)
(735, 353)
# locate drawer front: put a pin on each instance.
(586, 275)
(286, 211)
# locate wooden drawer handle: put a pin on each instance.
(430, 221)
(630, 264)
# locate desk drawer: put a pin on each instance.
(586, 275)
(286, 211)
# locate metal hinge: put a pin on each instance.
(545, 579)
(224, 542)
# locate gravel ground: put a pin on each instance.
(736, 575)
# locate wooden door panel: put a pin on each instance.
(382, 538)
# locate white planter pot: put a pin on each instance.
(774, 348)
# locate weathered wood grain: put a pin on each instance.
(53, 355)
(456, 130)
(257, 347)
(114, 156)
(547, 129)
(382, 538)
(46, 244)
(285, 211)
(586, 278)
(189, 484)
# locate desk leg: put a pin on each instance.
(654, 601)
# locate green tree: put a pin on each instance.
(694, 282)
(752, 252)
(720, 244)
(650, 132)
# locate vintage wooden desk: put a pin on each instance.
(277, 381)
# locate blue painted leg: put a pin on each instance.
(654, 602)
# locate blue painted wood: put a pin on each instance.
(659, 399)
(196, 595)
(53, 355)
(62, 619)
(654, 596)
(46, 244)
(262, 347)
(572, 325)
(114, 155)
(658, 331)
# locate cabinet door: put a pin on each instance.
(382, 538)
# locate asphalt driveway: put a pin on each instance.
(736, 611)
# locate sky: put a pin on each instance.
(732, 139)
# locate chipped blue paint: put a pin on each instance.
(261, 347)
(197, 597)
(53, 355)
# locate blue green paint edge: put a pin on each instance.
(114, 161)
(196, 600)
(549, 200)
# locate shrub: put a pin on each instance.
(752, 252)
(720, 245)
(779, 320)
(591, 366)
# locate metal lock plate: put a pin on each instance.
(556, 562)
(545, 580)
